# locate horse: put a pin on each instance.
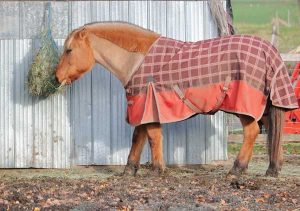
(127, 51)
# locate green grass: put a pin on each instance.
(289, 37)
(289, 148)
(262, 11)
(254, 17)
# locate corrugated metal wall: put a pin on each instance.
(86, 124)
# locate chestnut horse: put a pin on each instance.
(120, 48)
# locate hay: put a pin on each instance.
(41, 75)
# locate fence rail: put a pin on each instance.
(290, 57)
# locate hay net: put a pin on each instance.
(41, 75)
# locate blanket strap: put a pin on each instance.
(222, 97)
(185, 101)
(193, 107)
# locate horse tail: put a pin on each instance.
(275, 120)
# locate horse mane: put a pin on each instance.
(128, 36)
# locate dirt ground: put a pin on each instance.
(199, 187)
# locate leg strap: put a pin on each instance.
(194, 108)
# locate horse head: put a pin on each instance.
(77, 57)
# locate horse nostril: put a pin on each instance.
(56, 79)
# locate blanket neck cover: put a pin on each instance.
(236, 74)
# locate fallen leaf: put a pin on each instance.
(243, 209)
(266, 195)
(294, 201)
(235, 193)
(260, 200)
(200, 199)
(212, 187)
(222, 202)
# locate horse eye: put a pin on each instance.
(68, 51)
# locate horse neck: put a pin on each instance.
(121, 54)
(115, 59)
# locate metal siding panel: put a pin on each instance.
(42, 151)
(210, 29)
(196, 136)
(82, 11)
(212, 130)
(196, 147)
(81, 112)
(9, 19)
(121, 132)
(61, 126)
(176, 140)
(101, 102)
(158, 23)
(101, 115)
(24, 19)
(158, 16)
(31, 18)
(23, 105)
(194, 20)
(42, 123)
(60, 19)
(138, 14)
(61, 131)
(81, 104)
(18, 125)
(2, 105)
(119, 10)
(213, 139)
(100, 11)
(220, 152)
(7, 118)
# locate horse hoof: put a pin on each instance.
(231, 177)
(235, 172)
(272, 172)
(130, 170)
(158, 170)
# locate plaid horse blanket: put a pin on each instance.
(236, 74)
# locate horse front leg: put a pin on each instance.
(251, 130)
(138, 142)
(155, 137)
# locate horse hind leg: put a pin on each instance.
(138, 142)
(154, 133)
(251, 130)
(276, 120)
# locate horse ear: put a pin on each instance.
(82, 33)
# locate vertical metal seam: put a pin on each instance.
(72, 140)
(92, 108)
(51, 131)
(19, 34)
(32, 162)
(110, 99)
(148, 26)
(205, 125)
(186, 124)
(13, 97)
